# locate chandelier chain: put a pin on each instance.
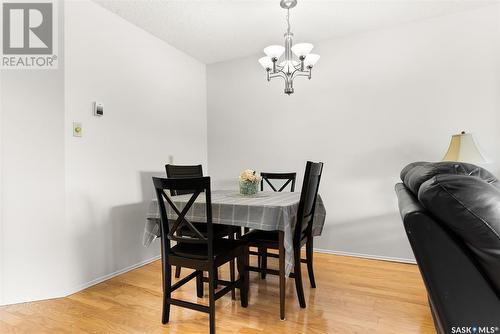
(288, 19)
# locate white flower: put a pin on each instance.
(249, 175)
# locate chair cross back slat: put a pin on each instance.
(285, 185)
(289, 177)
(181, 220)
(270, 184)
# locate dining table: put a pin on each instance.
(266, 210)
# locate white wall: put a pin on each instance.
(376, 102)
(154, 106)
(32, 239)
(73, 209)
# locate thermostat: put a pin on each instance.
(98, 109)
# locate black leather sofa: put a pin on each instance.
(451, 214)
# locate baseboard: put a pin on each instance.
(86, 285)
(366, 256)
(111, 275)
(38, 298)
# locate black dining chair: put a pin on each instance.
(302, 235)
(288, 179)
(220, 231)
(198, 251)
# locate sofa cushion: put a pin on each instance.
(469, 206)
(414, 174)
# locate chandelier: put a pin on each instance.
(290, 61)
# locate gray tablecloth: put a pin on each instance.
(268, 211)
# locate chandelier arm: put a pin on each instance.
(299, 73)
(279, 74)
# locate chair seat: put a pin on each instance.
(270, 238)
(220, 230)
(200, 251)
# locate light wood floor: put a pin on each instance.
(353, 296)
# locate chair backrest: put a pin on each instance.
(307, 204)
(200, 185)
(183, 171)
(289, 177)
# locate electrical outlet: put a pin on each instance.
(77, 129)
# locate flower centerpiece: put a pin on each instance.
(249, 182)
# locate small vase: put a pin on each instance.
(249, 188)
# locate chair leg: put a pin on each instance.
(178, 268)
(298, 279)
(199, 285)
(243, 262)
(167, 284)
(231, 273)
(211, 298)
(262, 260)
(309, 259)
(177, 271)
(216, 277)
(246, 274)
(259, 258)
(282, 273)
(263, 263)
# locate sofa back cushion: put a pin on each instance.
(469, 205)
(414, 174)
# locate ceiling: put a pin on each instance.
(220, 30)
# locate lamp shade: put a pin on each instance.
(463, 148)
(274, 51)
(311, 59)
(266, 62)
(302, 49)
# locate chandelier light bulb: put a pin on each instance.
(266, 62)
(302, 49)
(311, 59)
(274, 51)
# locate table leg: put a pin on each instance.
(282, 273)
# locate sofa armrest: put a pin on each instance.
(459, 293)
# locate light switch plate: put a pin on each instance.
(98, 109)
(77, 129)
